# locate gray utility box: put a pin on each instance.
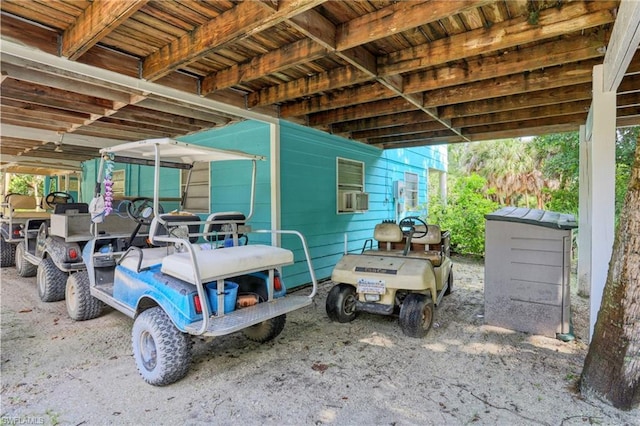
(527, 270)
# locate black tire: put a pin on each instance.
(449, 283)
(266, 330)
(7, 253)
(416, 315)
(162, 352)
(341, 302)
(81, 305)
(23, 267)
(51, 281)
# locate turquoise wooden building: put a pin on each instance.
(331, 189)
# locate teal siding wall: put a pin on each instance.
(138, 182)
(308, 161)
(231, 180)
(309, 203)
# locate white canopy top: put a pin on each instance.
(175, 151)
(39, 168)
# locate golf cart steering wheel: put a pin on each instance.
(54, 198)
(141, 210)
(408, 224)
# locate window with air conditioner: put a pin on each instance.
(411, 198)
(351, 197)
(198, 197)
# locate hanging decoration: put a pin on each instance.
(108, 184)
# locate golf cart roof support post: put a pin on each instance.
(98, 187)
(253, 189)
(183, 197)
(156, 182)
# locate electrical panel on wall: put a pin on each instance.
(398, 190)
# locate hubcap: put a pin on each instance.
(148, 352)
(41, 281)
(71, 297)
(426, 317)
(349, 304)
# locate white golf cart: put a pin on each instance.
(407, 273)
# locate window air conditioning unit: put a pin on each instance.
(354, 201)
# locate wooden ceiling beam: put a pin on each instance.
(146, 116)
(241, 22)
(181, 110)
(394, 19)
(547, 78)
(528, 100)
(380, 122)
(343, 98)
(553, 22)
(371, 109)
(56, 98)
(294, 54)
(509, 85)
(406, 129)
(96, 22)
(38, 112)
(62, 82)
(566, 108)
(549, 54)
(327, 81)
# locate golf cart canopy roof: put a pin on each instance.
(172, 151)
(39, 169)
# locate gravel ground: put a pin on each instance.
(57, 371)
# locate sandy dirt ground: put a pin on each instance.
(57, 371)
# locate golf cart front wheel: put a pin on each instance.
(23, 267)
(161, 351)
(51, 281)
(81, 305)
(341, 303)
(416, 315)
(449, 283)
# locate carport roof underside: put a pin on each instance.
(94, 73)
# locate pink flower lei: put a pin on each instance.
(108, 184)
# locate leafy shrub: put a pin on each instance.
(464, 214)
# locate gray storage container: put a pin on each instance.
(527, 270)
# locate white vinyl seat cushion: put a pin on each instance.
(225, 262)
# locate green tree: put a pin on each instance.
(509, 168)
(464, 213)
(26, 184)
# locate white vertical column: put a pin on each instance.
(602, 200)
(584, 215)
(274, 165)
(443, 187)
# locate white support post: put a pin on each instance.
(602, 196)
(584, 216)
(443, 187)
(274, 164)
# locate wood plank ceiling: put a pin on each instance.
(388, 73)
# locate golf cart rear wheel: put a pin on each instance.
(161, 351)
(266, 330)
(81, 305)
(416, 315)
(341, 303)
(449, 283)
(51, 281)
(23, 267)
(7, 253)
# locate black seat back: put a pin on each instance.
(64, 208)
